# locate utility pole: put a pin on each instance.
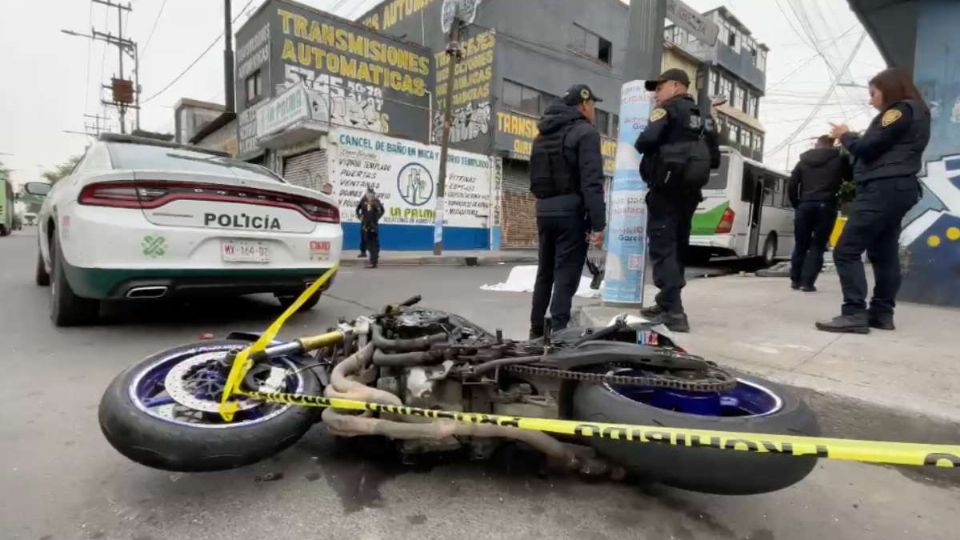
(125, 94)
(454, 53)
(228, 83)
(645, 38)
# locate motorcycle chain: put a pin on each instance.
(715, 380)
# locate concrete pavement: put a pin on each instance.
(60, 480)
(903, 383)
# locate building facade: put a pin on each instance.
(337, 107)
(520, 56)
(736, 66)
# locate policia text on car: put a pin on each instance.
(566, 177)
(887, 157)
(679, 147)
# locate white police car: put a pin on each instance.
(139, 219)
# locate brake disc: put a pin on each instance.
(187, 381)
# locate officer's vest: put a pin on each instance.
(905, 157)
(682, 163)
(550, 174)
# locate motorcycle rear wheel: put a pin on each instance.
(141, 419)
(754, 406)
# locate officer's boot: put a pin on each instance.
(846, 324)
(881, 321)
(652, 312)
(676, 322)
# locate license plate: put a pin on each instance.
(249, 251)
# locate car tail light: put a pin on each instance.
(150, 195)
(726, 221)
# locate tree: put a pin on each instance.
(58, 172)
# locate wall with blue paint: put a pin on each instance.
(931, 238)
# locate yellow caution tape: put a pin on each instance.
(242, 363)
(893, 453)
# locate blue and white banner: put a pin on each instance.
(627, 229)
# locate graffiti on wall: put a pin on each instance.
(931, 236)
(368, 79)
(472, 90)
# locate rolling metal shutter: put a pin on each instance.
(308, 169)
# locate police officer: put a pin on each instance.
(566, 177)
(814, 184)
(888, 157)
(679, 148)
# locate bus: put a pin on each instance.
(745, 213)
(7, 210)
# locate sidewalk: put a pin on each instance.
(448, 258)
(761, 326)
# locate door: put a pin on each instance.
(756, 210)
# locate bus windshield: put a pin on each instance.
(718, 177)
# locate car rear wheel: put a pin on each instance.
(66, 308)
(286, 300)
(42, 277)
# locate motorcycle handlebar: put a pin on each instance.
(411, 301)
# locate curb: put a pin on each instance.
(845, 416)
(444, 260)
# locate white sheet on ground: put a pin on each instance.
(522, 278)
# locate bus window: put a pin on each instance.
(769, 190)
(718, 177)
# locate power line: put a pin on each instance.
(156, 21)
(823, 100)
(196, 60)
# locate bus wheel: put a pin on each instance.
(770, 250)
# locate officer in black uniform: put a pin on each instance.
(566, 177)
(675, 127)
(888, 157)
(813, 188)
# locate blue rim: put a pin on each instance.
(746, 399)
(148, 394)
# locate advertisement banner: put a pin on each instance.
(626, 233)
(404, 176)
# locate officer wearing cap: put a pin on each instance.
(679, 148)
(566, 177)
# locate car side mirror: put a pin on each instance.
(37, 189)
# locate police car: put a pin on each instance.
(139, 219)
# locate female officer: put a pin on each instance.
(887, 159)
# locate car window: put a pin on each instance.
(140, 156)
(97, 159)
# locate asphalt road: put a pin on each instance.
(60, 479)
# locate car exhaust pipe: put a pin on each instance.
(144, 293)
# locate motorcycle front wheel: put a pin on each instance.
(163, 412)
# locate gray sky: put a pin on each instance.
(52, 79)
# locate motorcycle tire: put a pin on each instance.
(702, 469)
(173, 445)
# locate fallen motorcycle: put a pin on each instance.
(166, 412)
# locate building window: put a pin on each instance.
(603, 121)
(726, 89)
(734, 134)
(732, 37)
(529, 101)
(753, 101)
(747, 140)
(585, 42)
(713, 87)
(762, 60)
(525, 99)
(254, 87)
(724, 35)
(512, 93)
